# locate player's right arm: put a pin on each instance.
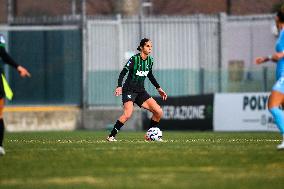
(273, 58)
(276, 56)
(126, 68)
(9, 60)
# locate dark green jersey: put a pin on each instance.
(138, 69)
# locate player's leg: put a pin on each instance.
(151, 105)
(127, 113)
(2, 126)
(275, 100)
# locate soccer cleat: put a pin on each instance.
(280, 146)
(2, 151)
(111, 139)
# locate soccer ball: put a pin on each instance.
(154, 134)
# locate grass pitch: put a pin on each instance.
(85, 160)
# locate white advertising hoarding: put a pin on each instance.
(242, 112)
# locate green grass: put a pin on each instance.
(185, 160)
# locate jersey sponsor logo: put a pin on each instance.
(142, 73)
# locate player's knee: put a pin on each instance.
(271, 106)
(127, 115)
(159, 112)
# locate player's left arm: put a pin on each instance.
(153, 80)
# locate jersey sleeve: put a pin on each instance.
(7, 58)
(153, 79)
(129, 64)
(151, 76)
(281, 42)
(124, 71)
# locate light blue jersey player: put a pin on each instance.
(276, 98)
(279, 85)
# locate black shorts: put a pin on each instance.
(137, 97)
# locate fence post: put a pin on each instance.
(200, 59)
(201, 79)
(85, 55)
(140, 20)
(221, 48)
(264, 73)
(10, 10)
(119, 41)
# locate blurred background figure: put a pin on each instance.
(276, 98)
(4, 87)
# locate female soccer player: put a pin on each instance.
(276, 98)
(139, 67)
(4, 88)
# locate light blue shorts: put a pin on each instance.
(279, 85)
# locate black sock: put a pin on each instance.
(153, 123)
(2, 129)
(116, 128)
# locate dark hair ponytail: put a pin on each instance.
(280, 13)
(142, 43)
